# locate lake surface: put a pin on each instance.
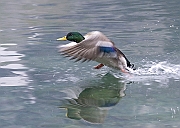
(41, 88)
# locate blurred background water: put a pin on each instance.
(41, 88)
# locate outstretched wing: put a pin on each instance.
(90, 49)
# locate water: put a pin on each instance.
(40, 88)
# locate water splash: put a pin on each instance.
(158, 69)
(159, 72)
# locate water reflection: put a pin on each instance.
(12, 74)
(91, 102)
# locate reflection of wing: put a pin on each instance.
(99, 97)
(93, 102)
(72, 93)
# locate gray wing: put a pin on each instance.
(87, 50)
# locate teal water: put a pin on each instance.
(41, 88)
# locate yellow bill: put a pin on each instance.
(63, 38)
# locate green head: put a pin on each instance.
(73, 36)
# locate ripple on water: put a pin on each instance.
(13, 74)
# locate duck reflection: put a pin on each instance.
(92, 102)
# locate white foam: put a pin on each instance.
(153, 71)
(160, 68)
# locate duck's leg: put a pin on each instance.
(99, 66)
(124, 70)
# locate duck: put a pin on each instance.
(95, 46)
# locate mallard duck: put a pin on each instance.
(97, 47)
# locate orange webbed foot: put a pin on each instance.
(99, 66)
(124, 71)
